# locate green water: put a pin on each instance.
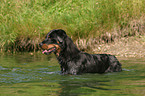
(38, 75)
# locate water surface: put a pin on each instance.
(39, 75)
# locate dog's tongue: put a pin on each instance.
(44, 51)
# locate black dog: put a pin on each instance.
(72, 60)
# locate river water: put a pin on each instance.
(39, 75)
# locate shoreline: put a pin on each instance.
(133, 46)
(123, 47)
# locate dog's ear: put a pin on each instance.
(60, 39)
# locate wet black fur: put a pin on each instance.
(74, 61)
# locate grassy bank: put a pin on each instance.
(23, 23)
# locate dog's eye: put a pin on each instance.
(48, 37)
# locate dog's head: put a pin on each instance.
(53, 42)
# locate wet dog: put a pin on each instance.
(72, 60)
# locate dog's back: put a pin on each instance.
(101, 63)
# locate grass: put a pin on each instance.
(30, 20)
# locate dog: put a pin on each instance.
(72, 60)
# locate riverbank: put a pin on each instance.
(123, 47)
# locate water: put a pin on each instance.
(39, 75)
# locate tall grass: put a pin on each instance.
(32, 19)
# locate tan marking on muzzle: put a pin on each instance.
(46, 47)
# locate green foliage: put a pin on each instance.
(80, 18)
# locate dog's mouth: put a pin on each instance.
(47, 49)
(50, 50)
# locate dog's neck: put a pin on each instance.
(68, 51)
(62, 57)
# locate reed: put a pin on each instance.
(23, 19)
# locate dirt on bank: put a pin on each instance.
(123, 47)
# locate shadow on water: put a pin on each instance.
(39, 75)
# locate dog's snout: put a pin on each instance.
(40, 44)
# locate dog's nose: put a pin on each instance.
(40, 44)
